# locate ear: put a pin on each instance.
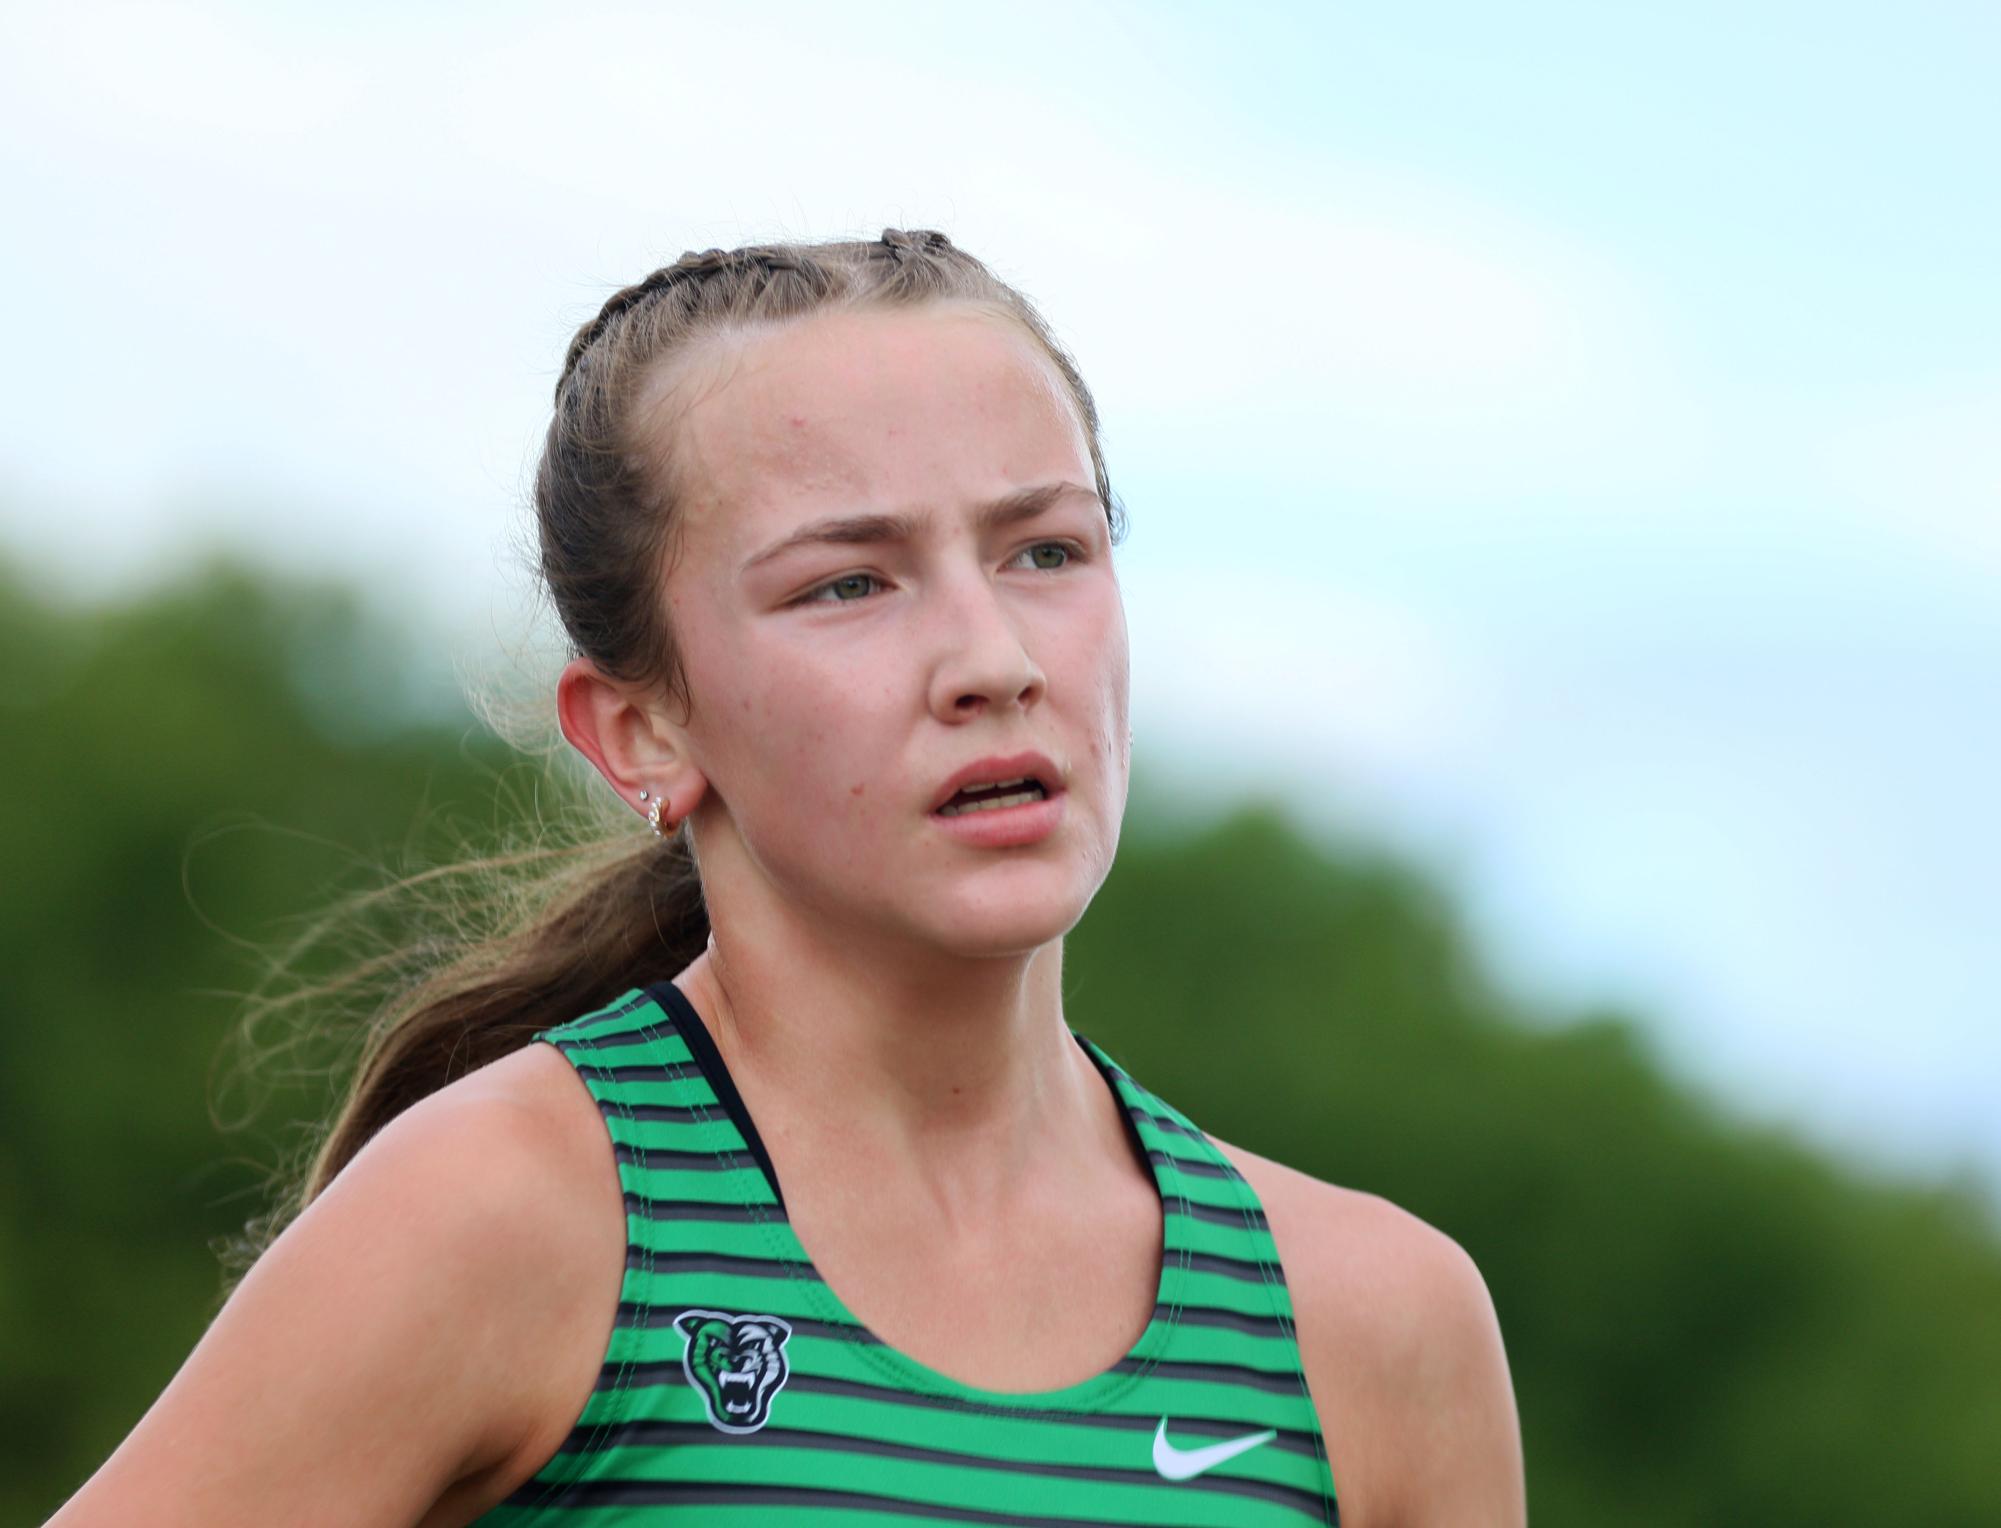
(631, 738)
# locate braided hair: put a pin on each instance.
(589, 921)
(604, 509)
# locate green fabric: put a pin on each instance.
(722, 1308)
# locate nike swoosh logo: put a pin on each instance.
(1187, 1463)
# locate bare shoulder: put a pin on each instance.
(532, 1104)
(400, 1352)
(533, 1146)
(1403, 1355)
(1357, 1264)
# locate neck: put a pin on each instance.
(958, 1070)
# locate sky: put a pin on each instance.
(1562, 441)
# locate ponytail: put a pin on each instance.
(530, 939)
(534, 938)
(626, 915)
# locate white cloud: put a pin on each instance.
(1298, 673)
(395, 219)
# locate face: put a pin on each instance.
(893, 575)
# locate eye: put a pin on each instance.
(1047, 555)
(845, 590)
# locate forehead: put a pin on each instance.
(922, 409)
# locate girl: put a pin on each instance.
(811, 1208)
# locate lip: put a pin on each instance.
(1005, 827)
(1011, 766)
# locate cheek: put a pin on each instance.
(807, 750)
(1090, 689)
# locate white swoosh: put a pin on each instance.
(1187, 1463)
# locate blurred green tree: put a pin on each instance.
(1708, 1322)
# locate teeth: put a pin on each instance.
(991, 803)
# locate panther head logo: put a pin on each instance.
(735, 1363)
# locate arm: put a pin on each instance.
(380, 1362)
(1465, 1455)
(1403, 1356)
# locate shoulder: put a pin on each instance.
(513, 1131)
(404, 1347)
(501, 1193)
(1402, 1351)
(517, 1162)
(484, 1171)
(495, 1205)
(1359, 1261)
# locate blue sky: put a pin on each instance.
(1564, 440)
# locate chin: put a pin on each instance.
(997, 943)
(993, 922)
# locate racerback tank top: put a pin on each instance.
(738, 1389)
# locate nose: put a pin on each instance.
(982, 662)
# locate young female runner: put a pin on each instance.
(813, 1210)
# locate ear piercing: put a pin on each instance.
(653, 814)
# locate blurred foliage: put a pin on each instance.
(1708, 1323)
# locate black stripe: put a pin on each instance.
(1289, 1439)
(660, 1071)
(630, 1004)
(694, 1033)
(1208, 1427)
(719, 1262)
(1216, 1262)
(1170, 1126)
(701, 1494)
(1126, 1116)
(668, 1371)
(1209, 1315)
(630, 1039)
(771, 1267)
(1225, 1215)
(665, 1434)
(1278, 1380)
(1193, 1165)
(685, 1161)
(672, 1114)
(700, 1209)
(1158, 1117)
(634, 1314)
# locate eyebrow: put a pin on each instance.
(860, 530)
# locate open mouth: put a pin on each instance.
(991, 796)
(739, 1391)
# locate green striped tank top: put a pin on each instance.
(738, 1389)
